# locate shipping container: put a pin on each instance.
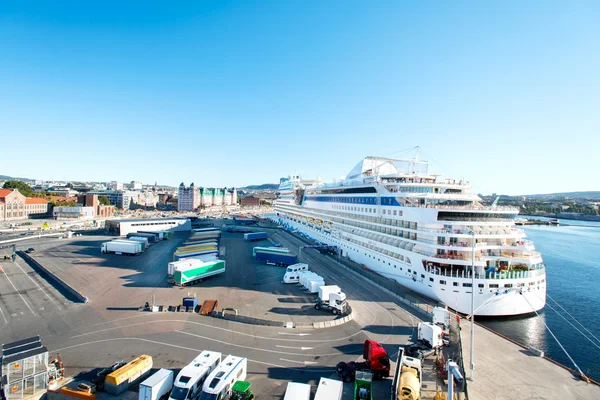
(197, 254)
(159, 235)
(275, 250)
(151, 238)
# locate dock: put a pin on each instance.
(506, 371)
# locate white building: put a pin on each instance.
(188, 198)
(65, 212)
(135, 185)
(122, 227)
(114, 185)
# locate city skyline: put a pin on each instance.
(501, 94)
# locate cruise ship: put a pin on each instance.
(425, 232)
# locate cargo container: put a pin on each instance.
(329, 389)
(190, 302)
(151, 237)
(275, 250)
(195, 249)
(256, 236)
(167, 235)
(142, 242)
(197, 254)
(282, 260)
(157, 386)
(186, 276)
(201, 230)
(297, 391)
(120, 380)
(116, 247)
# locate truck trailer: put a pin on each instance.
(141, 239)
(142, 242)
(275, 250)
(157, 386)
(256, 236)
(159, 235)
(195, 254)
(189, 275)
(186, 263)
(116, 247)
(282, 260)
(329, 389)
(151, 237)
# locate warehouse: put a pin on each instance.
(122, 227)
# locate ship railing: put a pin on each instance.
(465, 207)
(465, 273)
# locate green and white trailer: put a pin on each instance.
(187, 275)
(167, 235)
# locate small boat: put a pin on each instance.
(554, 222)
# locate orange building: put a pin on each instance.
(15, 206)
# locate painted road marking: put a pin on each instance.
(19, 293)
(294, 334)
(2, 312)
(38, 286)
(295, 348)
(299, 362)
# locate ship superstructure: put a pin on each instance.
(422, 231)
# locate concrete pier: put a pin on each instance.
(505, 370)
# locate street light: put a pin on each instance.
(472, 302)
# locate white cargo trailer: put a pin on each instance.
(142, 239)
(304, 279)
(314, 284)
(329, 389)
(157, 386)
(117, 247)
(185, 263)
(297, 391)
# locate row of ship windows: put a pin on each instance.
(368, 209)
(491, 285)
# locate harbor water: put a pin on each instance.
(571, 253)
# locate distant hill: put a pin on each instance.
(571, 195)
(8, 178)
(264, 186)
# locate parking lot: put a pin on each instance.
(110, 327)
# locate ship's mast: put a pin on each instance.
(416, 159)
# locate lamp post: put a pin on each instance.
(472, 303)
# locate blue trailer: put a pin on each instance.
(282, 260)
(256, 236)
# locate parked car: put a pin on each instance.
(30, 250)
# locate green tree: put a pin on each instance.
(24, 188)
(104, 201)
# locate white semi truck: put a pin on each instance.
(117, 247)
(331, 298)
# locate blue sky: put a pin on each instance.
(229, 93)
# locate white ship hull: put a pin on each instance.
(488, 302)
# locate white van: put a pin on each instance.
(219, 383)
(190, 379)
(297, 391)
(292, 273)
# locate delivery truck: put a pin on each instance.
(117, 247)
(157, 386)
(151, 238)
(183, 276)
(282, 260)
(292, 273)
(331, 298)
(255, 236)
